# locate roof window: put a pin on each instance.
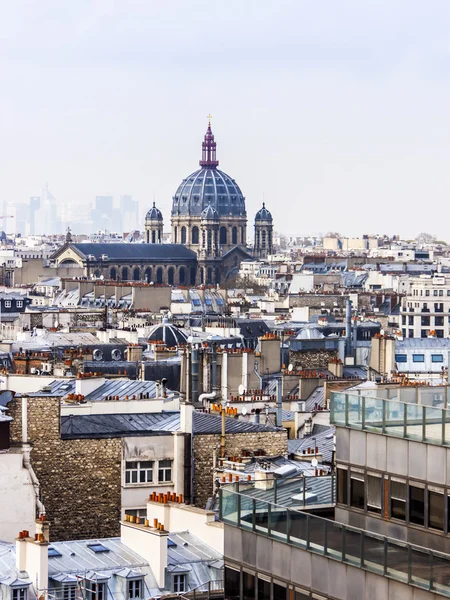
(98, 547)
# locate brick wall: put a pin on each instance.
(80, 479)
(274, 444)
(311, 359)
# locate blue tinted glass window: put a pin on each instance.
(400, 358)
(418, 358)
(437, 358)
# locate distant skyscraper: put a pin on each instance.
(102, 214)
(129, 214)
(47, 215)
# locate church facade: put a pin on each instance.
(209, 235)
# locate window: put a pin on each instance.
(263, 589)
(139, 471)
(19, 593)
(398, 500)
(165, 471)
(418, 358)
(357, 490)
(374, 494)
(437, 358)
(438, 321)
(342, 480)
(427, 292)
(137, 512)
(96, 591)
(436, 510)
(19, 303)
(425, 321)
(248, 584)
(7, 303)
(410, 320)
(416, 505)
(279, 592)
(400, 358)
(179, 582)
(134, 589)
(69, 592)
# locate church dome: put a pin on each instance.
(154, 214)
(209, 213)
(208, 185)
(263, 214)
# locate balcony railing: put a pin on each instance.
(407, 563)
(417, 422)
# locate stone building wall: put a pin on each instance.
(273, 442)
(80, 480)
(311, 359)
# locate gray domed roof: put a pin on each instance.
(263, 214)
(208, 185)
(209, 213)
(154, 214)
(172, 336)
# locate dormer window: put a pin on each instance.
(135, 589)
(69, 592)
(180, 583)
(19, 593)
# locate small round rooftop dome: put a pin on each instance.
(172, 336)
(263, 214)
(209, 213)
(154, 214)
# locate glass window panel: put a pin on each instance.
(334, 539)
(246, 513)
(433, 425)
(232, 584)
(263, 589)
(374, 494)
(338, 402)
(436, 508)
(248, 584)
(373, 553)
(414, 419)
(373, 414)
(261, 516)
(354, 411)
(420, 568)
(302, 595)
(352, 546)
(440, 572)
(279, 592)
(342, 489)
(357, 490)
(278, 522)
(317, 534)
(229, 506)
(397, 560)
(394, 418)
(298, 528)
(416, 505)
(398, 500)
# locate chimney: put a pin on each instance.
(32, 554)
(88, 385)
(150, 543)
(134, 353)
(186, 417)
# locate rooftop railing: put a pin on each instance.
(420, 422)
(407, 563)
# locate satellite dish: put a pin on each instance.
(290, 367)
(241, 389)
(244, 411)
(314, 462)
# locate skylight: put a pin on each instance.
(98, 547)
(53, 551)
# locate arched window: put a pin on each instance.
(148, 275)
(113, 274)
(183, 235)
(263, 238)
(209, 275)
(175, 235)
(202, 276)
(193, 275)
(148, 236)
(242, 236)
(136, 274)
(153, 237)
(217, 275)
(223, 236)
(97, 273)
(159, 275)
(195, 235)
(182, 276)
(125, 274)
(234, 235)
(171, 275)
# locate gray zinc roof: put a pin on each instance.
(160, 252)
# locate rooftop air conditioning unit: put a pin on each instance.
(46, 368)
(91, 257)
(104, 257)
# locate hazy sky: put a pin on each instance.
(338, 112)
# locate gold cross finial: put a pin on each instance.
(209, 118)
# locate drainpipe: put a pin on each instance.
(214, 367)
(194, 373)
(348, 328)
(279, 404)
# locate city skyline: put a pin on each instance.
(339, 107)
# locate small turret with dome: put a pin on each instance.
(263, 233)
(154, 226)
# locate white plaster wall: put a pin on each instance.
(17, 498)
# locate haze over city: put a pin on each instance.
(335, 113)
